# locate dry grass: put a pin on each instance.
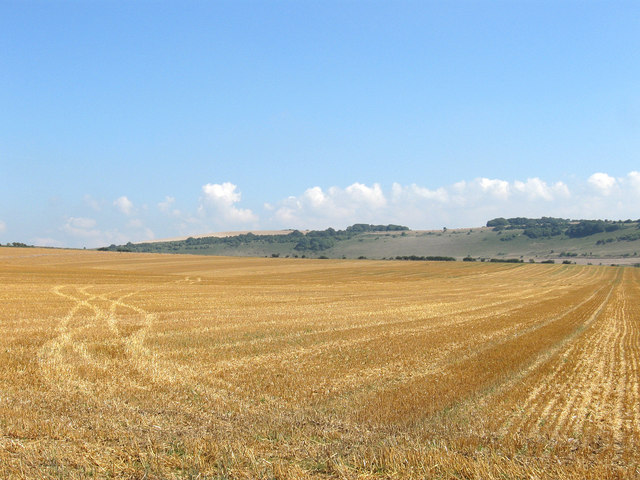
(158, 366)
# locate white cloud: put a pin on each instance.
(48, 242)
(495, 187)
(399, 193)
(316, 197)
(464, 203)
(634, 180)
(223, 194)
(602, 182)
(534, 188)
(82, 228)
(316, 207)
(139, 231)
(148, 233)
(459, 186)
(124, 205)
(3, 227)
(219, 201)
(482, 191)
(369, 197)
(81, 223)
(561, 189)
(91, 203)
(165, 206)
(82, 231)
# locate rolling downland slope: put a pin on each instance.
(588, 241)
(125, 365)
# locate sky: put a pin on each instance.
(129, 121)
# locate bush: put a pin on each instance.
(629, 237)
(498, 222)
(542, 232)
(429, 258)
(585, 228)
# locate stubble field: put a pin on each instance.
(159, 366)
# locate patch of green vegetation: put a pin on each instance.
(429, 258)
(629, 237)
(546, 227)
(532, 227)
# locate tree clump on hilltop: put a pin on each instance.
(547, 227)
(532, 227)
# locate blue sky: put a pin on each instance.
(136, 120)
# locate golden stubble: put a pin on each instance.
(158, 366)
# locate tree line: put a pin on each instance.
(546, 227)
(312, 241)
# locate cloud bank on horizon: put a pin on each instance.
(467, 203)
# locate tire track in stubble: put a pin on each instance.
(534, 409)
(150, 365)
(590, 388)
(390, 375)
(143, 359)
(52, 355)
(631, 347)
(440, 311)
(629, 407)
(457, 316)
(502, 336)
(64, 353)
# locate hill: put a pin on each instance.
(543, 239)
